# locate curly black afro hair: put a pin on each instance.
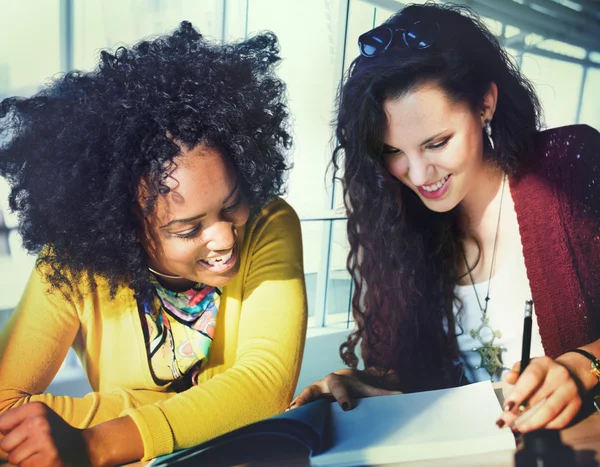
(75, 153)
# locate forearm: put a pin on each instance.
(93, 409)
(113, 443)
(579, 366)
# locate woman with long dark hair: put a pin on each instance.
(149, 189)
(459, 210)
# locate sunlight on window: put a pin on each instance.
(558, 85)
(108, 23)
(30, 52)
(590, 110)
(562, 48)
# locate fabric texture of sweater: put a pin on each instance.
(251, 373)
(557, 201)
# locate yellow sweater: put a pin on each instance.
(251, 373)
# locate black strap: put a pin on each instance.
(587, 355)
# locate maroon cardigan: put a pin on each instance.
(557, 201)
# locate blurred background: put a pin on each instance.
(556, 43)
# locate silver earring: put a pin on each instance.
(488, 132)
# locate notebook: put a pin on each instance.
(379, 430)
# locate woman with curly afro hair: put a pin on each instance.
(149, 190)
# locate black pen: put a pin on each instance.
(526, 348)
(526, 335)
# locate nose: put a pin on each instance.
(220, 236)
(419, 169)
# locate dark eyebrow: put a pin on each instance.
(199, 216)
(183, 221)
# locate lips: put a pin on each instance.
(220, 264)
(437, 189)
(219, 259)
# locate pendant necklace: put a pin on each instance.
(490, 354)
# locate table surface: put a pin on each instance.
(583, 437)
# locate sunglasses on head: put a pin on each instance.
(415, 35)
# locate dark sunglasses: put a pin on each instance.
(415, 35)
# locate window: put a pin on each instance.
(558, 84)
(318, 42)
(590, 110)
(30, 34)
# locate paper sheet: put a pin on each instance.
(408, 427)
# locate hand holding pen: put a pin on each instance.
(541, 379)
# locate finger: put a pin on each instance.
(36, 460)
(516, 368)
(557, 377)
(511, 377)
(565, 417)
(14, 417)
(559, 405)
(309, 394)
(529, 382)
(14, 437)
(345, 388)
(528, 391)
(339, 385)
(22, 452)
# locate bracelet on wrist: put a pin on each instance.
(594, 362)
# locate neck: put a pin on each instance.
(480, 207)
(175, 284)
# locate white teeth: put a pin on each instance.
(219, 259)
(435, 186)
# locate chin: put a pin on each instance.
(442, 205)
(220, 280)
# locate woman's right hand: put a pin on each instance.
(345, 385)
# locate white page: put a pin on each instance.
(408, 427)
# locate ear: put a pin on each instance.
(488, 105)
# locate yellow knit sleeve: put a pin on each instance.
(33, 345)
(271, 338)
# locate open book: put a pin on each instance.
(379, 430)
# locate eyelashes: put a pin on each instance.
(440, 144)
(236, 204)
(189, 235)
(388, 151)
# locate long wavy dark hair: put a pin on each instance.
(404, 257)
(75, 152)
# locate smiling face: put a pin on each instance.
(435, 146)
(196, 229)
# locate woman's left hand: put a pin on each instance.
(35, 436)
(555, 382)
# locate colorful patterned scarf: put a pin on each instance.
(181, 327)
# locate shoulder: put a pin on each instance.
(567, 143)
(565, 168)
(272, 248)
(273, 235)
(275, 218)
(77, 295)
(278, 208)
